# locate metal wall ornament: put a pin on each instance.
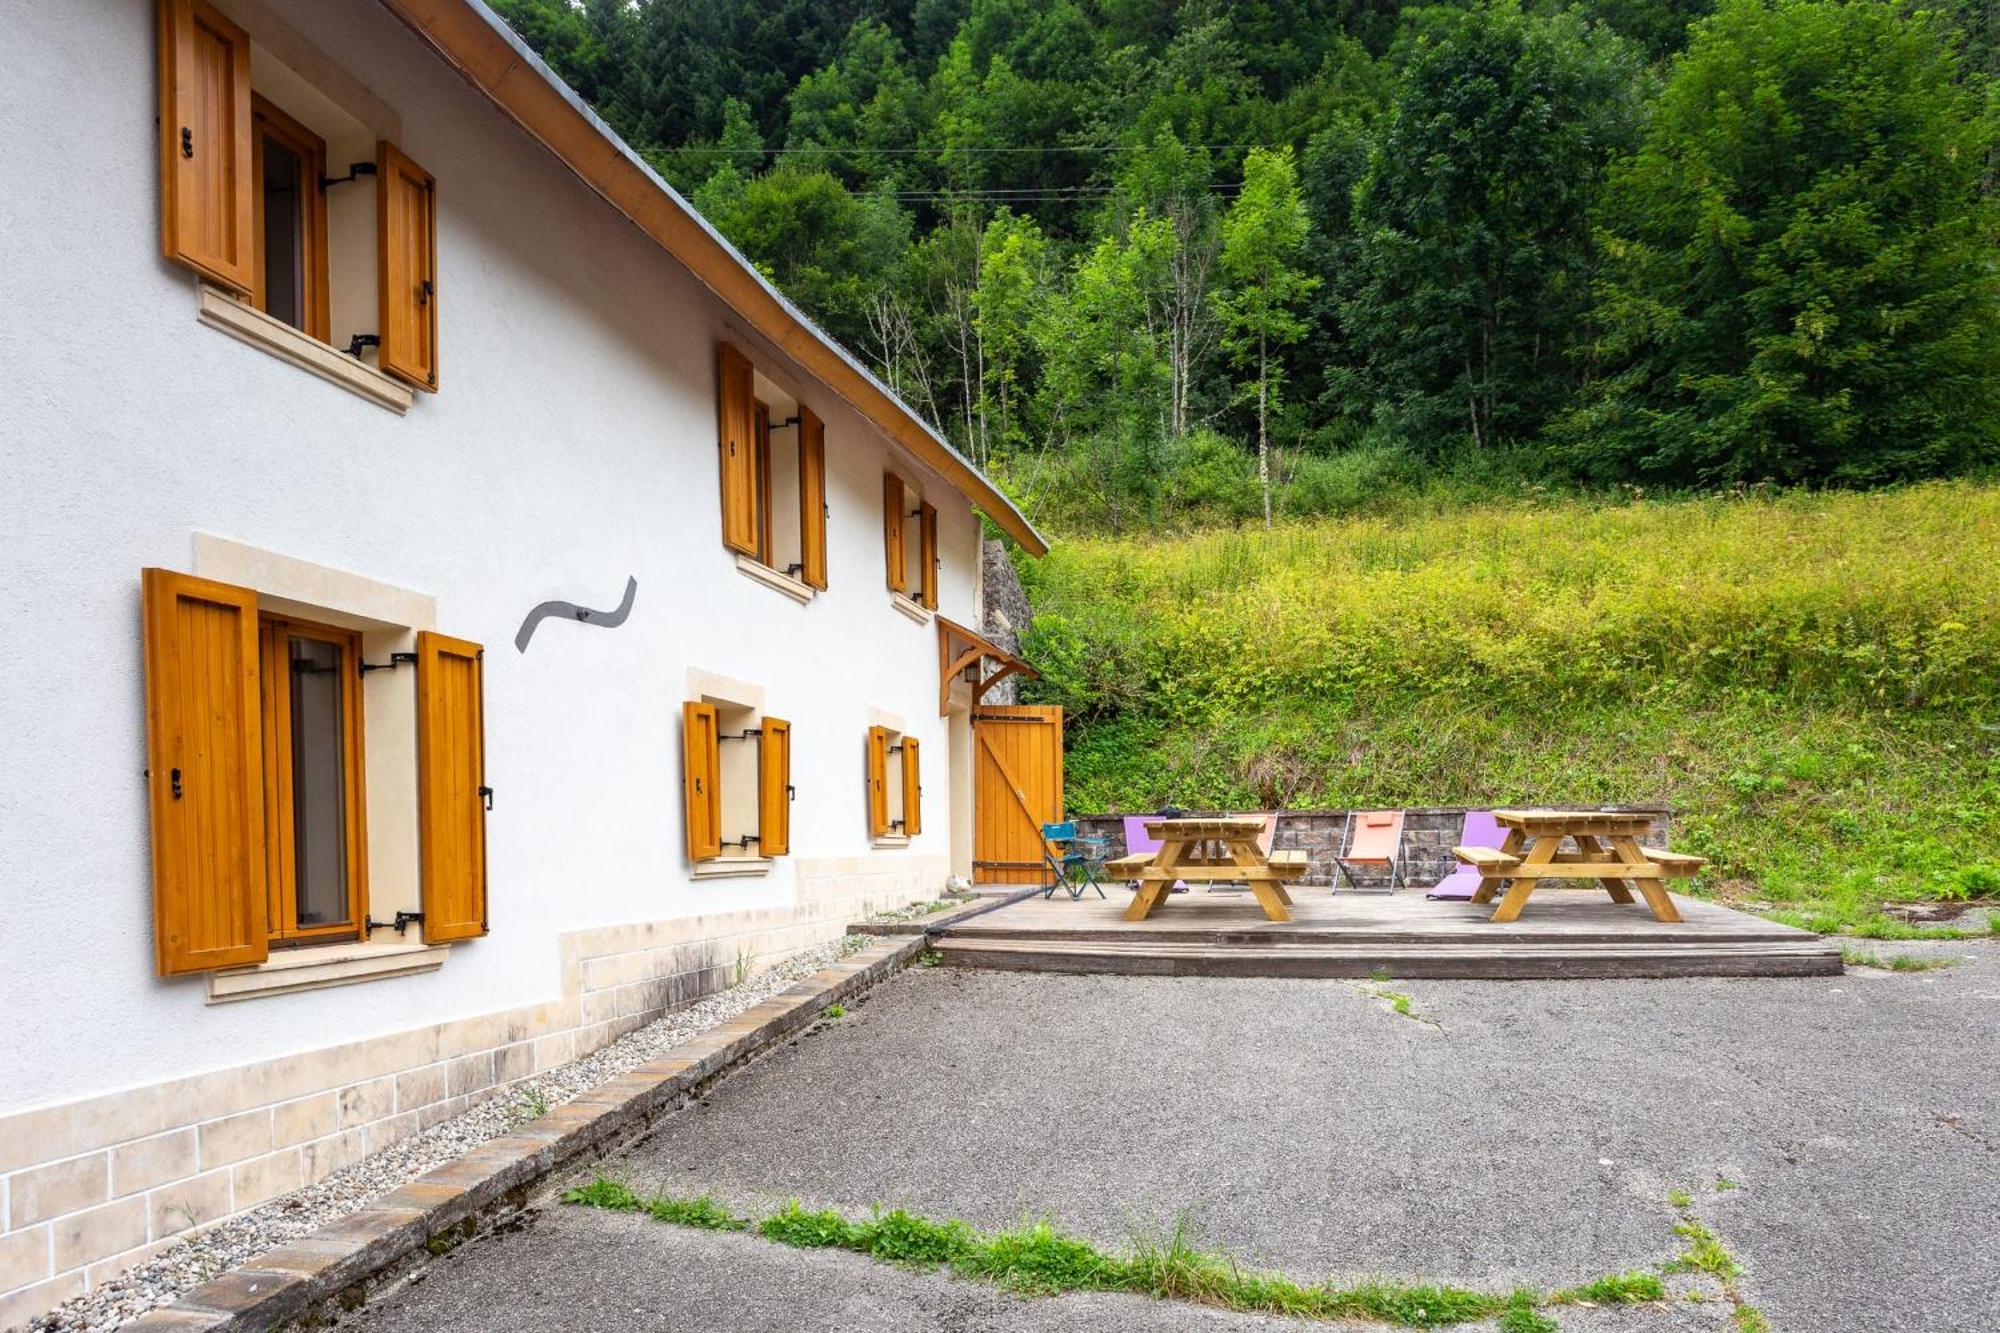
(581, 614)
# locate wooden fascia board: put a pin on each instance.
(479, 45)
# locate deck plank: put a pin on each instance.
(1563, 933)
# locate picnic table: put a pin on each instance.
(1607, 850)
(1208, 851)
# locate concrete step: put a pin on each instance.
(1518, 960)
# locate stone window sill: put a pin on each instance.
(910, 607)
(246, 323)
(892, 841)
(796, 589)
(320, 966)
(732, 867)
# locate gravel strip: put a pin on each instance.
(171, 1274)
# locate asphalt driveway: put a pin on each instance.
(1841, 1136)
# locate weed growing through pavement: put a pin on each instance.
(1036, 1258)
(853, 944)
(534, 1102)
(1705, 1253)
(929, 958)
(836, 1011)
(1633, 1288)
(1901, 962)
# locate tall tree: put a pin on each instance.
(1472, 219)
(1801, 280)
(1263, 243)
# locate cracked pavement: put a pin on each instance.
(1527, 1133)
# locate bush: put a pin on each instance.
(1348, 482)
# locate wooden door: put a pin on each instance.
(1017, 764)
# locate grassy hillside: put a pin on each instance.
(1812, 681)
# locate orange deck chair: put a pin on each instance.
(1374, 839)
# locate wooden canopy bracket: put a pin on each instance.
(961, 652)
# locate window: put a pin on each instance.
(773, 456)
(736, 776)
(245, 202)
(288, 162)
(911, 559)
(314, 810)
(895, 785)
(254, 764)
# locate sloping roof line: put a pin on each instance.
(480, 46)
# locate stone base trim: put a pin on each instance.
(339, 1265)
(90, 1188)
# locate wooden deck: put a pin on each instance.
(1564, 933)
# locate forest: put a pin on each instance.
(1157, 265)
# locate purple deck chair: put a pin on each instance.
(1481, 830)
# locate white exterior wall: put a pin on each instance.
(573, 444)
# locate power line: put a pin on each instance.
(939, 152)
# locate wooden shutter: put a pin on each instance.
(736, 398)
(762, 461)
(774, 787)
(205, 778)
(878, 781)
(207, 218)
(892, 530)
(913, 791)
(406, 267)
(451, 786)
(701, 781)
(812, 498)
(927, 552)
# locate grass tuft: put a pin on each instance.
(1633, 1288)
(1749, 1319)
(706, 1212)
(823, 1230)
(898, 1237)
(604, 1192)
(1037, 1259)
(1705, 1253)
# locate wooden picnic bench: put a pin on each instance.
(1209, 851)
(1607, 850)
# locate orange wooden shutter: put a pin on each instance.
(892, 530)
(736, 399)
(205, 775)
(927, 552)
(913, 791)
(812, 498)
(701, 781)
(878, 781)
(762, 460)
(774, 783)
(207, 218)
(451, 786)
(406, 267)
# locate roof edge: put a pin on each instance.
(476, 42)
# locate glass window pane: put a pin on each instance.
(284, 233)
(319, 793)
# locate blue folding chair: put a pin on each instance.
(1074, 861)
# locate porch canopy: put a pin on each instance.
(964, 652)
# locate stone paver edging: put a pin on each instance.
(434, 1212)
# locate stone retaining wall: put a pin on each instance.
(1429, 834)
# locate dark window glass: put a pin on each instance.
(319, 790)
(284, 234)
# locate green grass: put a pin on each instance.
(1035, 1258)
(1812, 681)
(1705, 1253)
(1901, 962)
(836, 1011)
(1615, 1289)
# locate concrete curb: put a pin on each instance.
(433, 1213)
(922, 925)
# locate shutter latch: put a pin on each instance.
(486, 793)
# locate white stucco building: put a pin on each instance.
(291, 449)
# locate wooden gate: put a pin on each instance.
(1017, 761)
